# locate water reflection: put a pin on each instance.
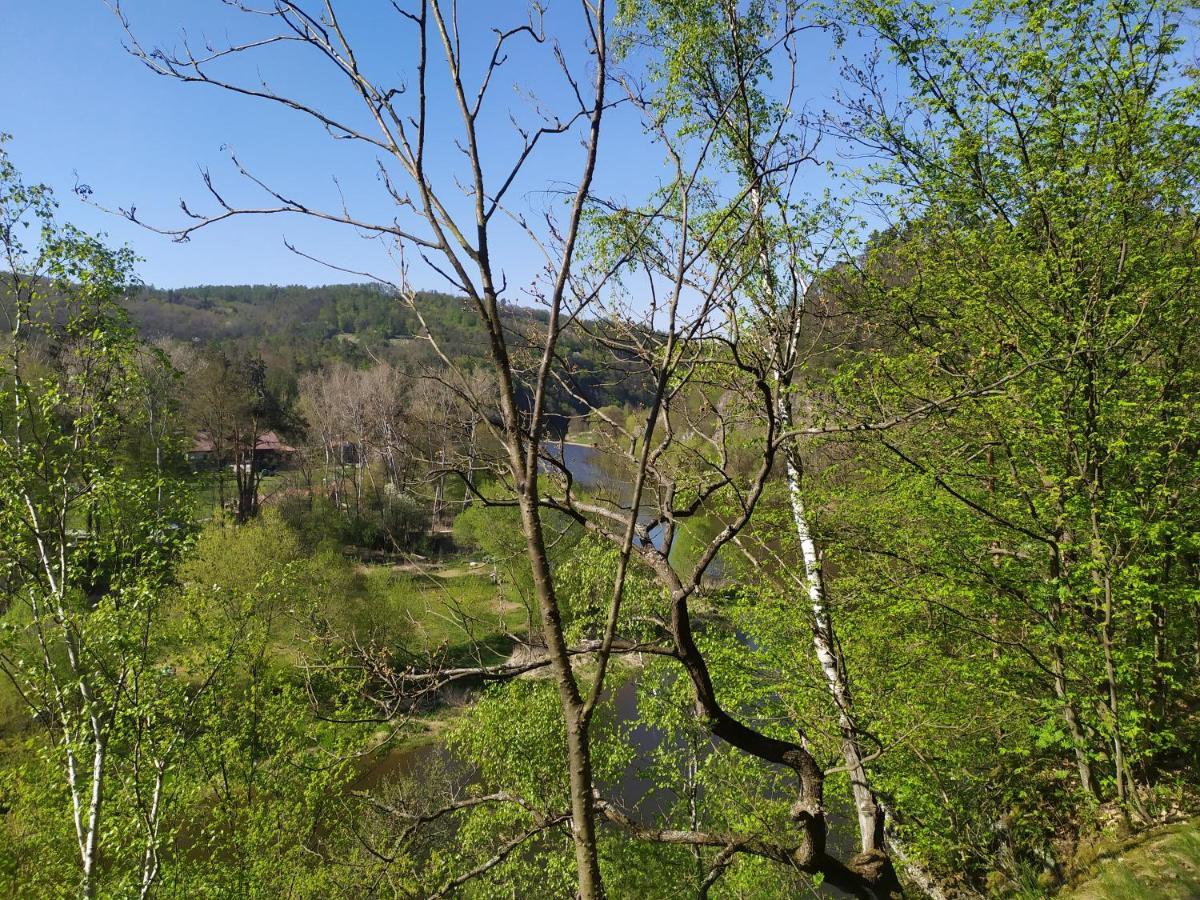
(605, 474)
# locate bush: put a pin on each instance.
(382, 522)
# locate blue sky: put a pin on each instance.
(79, 107)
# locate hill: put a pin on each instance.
(298, 329)
(365, 315)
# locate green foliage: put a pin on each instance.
(1012, 568)
(298, 329)
(264, 775)
(1027, 553)
(166, 746)
(514, 737)
(89, 534)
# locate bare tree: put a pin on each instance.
(715, 351)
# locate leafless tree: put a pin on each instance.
(716, 354)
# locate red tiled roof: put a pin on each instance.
(268, 442)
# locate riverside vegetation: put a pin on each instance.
(788, 541)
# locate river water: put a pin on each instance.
(649, 802)
(606, 476)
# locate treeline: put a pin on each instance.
(299, 329)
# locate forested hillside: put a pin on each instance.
(301, 328)
(276, 316)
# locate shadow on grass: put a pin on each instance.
(489, 651)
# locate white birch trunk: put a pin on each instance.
(92, 848)
(871, 813)
(870, 817)
(150, 858)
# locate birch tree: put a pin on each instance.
(1041, 169)
(713, 73)
(87, 537)
(791, 236)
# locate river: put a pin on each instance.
(594, 472)
(640, 796)
(606, 475)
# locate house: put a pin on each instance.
(270, 451)
(346, 453)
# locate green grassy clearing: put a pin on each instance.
(462, 612)
(206, 492)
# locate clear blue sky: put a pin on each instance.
(78, 106)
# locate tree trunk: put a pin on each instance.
(1059, 670)
(439, 489)
(150, 862)
(1071, 717)
(579, 757)
(1127, 792)
(92, 846)
(833, 667)
(1158, 623)
(467, 494)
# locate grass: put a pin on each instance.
(1164, 866)
(207, 494)
(586, 438)
(464, 614)
(14, 714)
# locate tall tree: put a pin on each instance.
(1040, 171)
(88, 535)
